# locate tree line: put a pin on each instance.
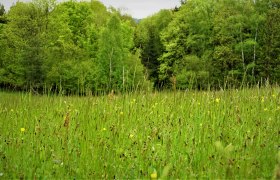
(212, 43)
(80, 47)
(74, 47)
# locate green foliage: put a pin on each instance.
(268, 66)
(65, 47)
(20, 37)
(3, 19)
(80, 47)
(72, 44)
(190, 72)
(111, 55)
(118, 68)
(187, 42)
(147, 38)
(227, 36)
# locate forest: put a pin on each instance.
(85, 47)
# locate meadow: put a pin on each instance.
(168, 135)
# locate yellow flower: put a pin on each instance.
(22, 129)
(217, 100)
(121, 113)
(131, 136)
(104, 129)
(154, 175)
(133, 101)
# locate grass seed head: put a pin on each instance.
(277, 168)
(67, 120)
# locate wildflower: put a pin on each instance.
(133, 101)
(200, 124)
(22, 129)
(104, 129)
(121, 113)
(154, 175)
(217, 100)
(131, 136)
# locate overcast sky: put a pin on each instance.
(136, 8)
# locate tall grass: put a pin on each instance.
(222, 134)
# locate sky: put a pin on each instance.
(136, 8)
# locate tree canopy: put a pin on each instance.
(81, 47)
(70, 47)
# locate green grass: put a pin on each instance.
(222, 134)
